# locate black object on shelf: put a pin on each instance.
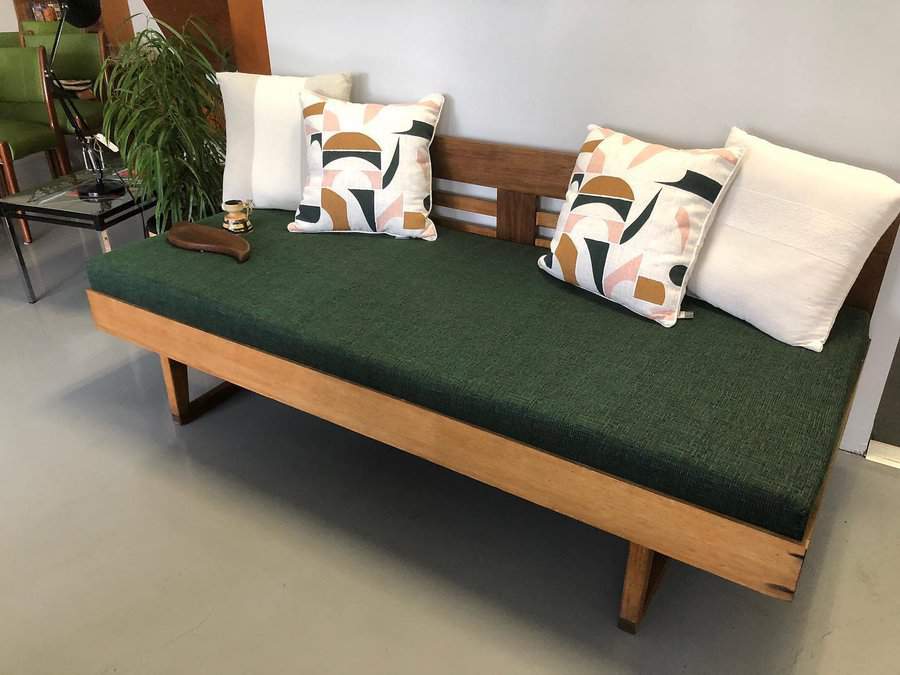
(100, 189)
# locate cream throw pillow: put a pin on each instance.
(790, 239)
(264, 139)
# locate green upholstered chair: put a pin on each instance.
(9, 39)
(45, 27)
(80, 57)
(28, 122)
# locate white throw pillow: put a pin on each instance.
(790, 239)
(264, 147)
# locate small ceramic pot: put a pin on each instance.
(237, 216)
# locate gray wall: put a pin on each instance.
(819, 75)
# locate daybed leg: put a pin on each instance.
(175, 376)
(642, 574)
(184, 410)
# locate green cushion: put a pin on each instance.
(8, 39)
(26, 138)
(77, 58)
(21, 78)
(25, 112)
(711, 411)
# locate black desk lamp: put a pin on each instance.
(81, 14)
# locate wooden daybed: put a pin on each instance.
(708, 442)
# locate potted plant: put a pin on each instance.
(163, 108)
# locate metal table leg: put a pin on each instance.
(104, 241)
(23, 270)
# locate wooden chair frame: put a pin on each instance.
(656, 525)
(57, 159)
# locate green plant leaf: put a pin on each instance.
(163, 108)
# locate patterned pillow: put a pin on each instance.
(368, 167)
(634, 219)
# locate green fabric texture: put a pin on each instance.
(23, 113)
(26, 138)
(78, 56)
(711, 411)
(21, 79)
(9, 39)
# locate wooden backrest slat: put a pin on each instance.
(521, 175)
(544, 173)
(547, 219)
(466, 226)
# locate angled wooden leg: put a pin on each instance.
(62, 159)
(51, 162)
(642, 573)
(12, 185)
(184, 410)
(175, 376)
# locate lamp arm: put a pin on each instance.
(85, 14)
(59, 30)
(69, 108)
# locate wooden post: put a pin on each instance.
(642, 574)
(175, 376)
(516, 216)
(117, 21)
(251, 44)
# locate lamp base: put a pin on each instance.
(100, 189)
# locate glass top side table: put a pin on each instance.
(57, 202)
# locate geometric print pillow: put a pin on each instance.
(368, 167)
(634, 220)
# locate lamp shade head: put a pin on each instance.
(83, 13)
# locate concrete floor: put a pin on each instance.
(262, 540)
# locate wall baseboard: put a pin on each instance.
(884, 453)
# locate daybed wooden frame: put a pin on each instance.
(655, 525)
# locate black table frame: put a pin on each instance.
(55, 216)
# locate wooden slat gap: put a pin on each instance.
(464, 226)
(470, 204)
